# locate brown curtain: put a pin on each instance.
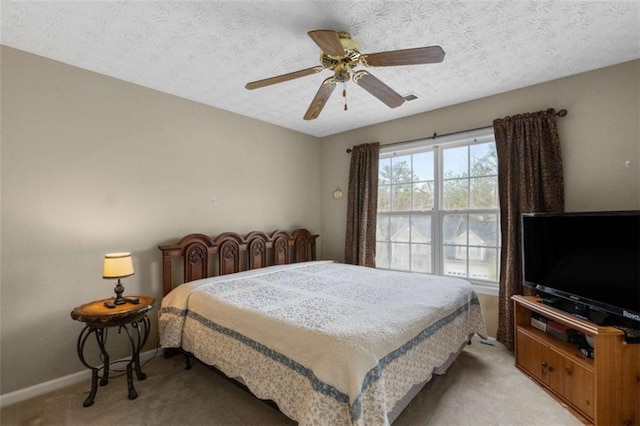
(362, 205)
(529, 180)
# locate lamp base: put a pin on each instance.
(119, 300)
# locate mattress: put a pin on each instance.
(329, 343)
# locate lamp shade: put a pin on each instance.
(117, 265)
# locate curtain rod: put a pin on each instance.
(561, 113)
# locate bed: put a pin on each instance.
(328, 343)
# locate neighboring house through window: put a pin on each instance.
(438, 208)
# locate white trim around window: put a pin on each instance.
(438, 208)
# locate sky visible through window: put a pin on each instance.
(461, 231)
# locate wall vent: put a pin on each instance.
(410, 97)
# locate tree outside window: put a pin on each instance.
(460, 229)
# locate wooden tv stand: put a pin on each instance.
(603, 390)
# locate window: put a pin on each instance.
(438, 208)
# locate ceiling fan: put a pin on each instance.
(340, 54)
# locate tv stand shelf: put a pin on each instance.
(603, 390)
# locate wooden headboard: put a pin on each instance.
(234, 254)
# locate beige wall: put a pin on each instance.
(599, 134)
(91, 165)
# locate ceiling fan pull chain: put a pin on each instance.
(344, 94)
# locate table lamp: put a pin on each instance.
(117, 265)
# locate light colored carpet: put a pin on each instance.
(482, 387)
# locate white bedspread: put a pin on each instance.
(335, 330)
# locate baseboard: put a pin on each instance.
(59, 383)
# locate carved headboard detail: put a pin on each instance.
(204, 256)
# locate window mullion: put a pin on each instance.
(468, 177)
(436, 224)
(411, 215)
(416, 211)
(468, 206)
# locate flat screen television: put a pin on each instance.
(590, 258)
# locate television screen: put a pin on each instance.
(590, 258)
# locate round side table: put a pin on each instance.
(131, 318)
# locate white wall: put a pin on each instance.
(598, 135)
(92, 165)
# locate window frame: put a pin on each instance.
(438, 212)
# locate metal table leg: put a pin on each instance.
(137, 340)
(82, 339)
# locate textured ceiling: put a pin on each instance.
(207, 51)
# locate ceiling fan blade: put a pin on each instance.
(321, 98)
(378, 89)
(419, 55)
(282, 78)
(328, 41)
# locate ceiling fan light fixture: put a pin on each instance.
(328, 62)
(342, 75)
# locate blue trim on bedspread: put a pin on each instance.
(318, 385)
(174, 311)
(374, 374)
